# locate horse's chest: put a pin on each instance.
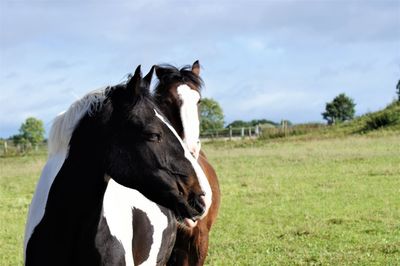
(133, 230)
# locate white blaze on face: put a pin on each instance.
(201, 176)
(190, 118)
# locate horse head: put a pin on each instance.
(144, 152)
(178, 95)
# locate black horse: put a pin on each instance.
(123, 136)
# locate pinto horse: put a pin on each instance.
(132, 229)
(131, 222)
(178, 96)
(120, 134)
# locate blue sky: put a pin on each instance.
(261, 59)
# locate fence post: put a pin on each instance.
(249, 132)
(242, 132)
(230, 132)
(257, 131)
(5, 148)
(285, 127)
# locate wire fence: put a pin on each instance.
(263, 131)
(9, 149)
(230, 133)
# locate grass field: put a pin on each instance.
(320, 202)
(285, 202)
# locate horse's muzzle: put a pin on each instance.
(199, 204)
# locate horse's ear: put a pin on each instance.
(196, 68)
(133, 84)
(159, 72)
(149, 76)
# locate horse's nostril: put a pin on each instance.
(193, 151)
(199, 204)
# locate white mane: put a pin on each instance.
(65, 123)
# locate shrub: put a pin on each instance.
(381, 120)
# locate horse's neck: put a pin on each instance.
(69, 224)
(78, 189)
(81, 177)
(77, 192)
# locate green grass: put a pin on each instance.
(296, 201)
(18, 176)
(320, 202)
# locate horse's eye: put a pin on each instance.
(154, 137)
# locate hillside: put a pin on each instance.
(385, 121)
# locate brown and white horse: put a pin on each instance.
(178, 95)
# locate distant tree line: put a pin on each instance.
(252, 123)
(212, 118)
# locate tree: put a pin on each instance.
(339, 110)
(255, 122)
(398, 89)
(238, 124)
(252, 123)
(211, 115)
(31, 132)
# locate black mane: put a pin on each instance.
(172, 74)
(118, 94)
(121, 91)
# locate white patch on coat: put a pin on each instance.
(117, 208)
(190, 118)
(201, 176)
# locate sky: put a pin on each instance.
(260, 59)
